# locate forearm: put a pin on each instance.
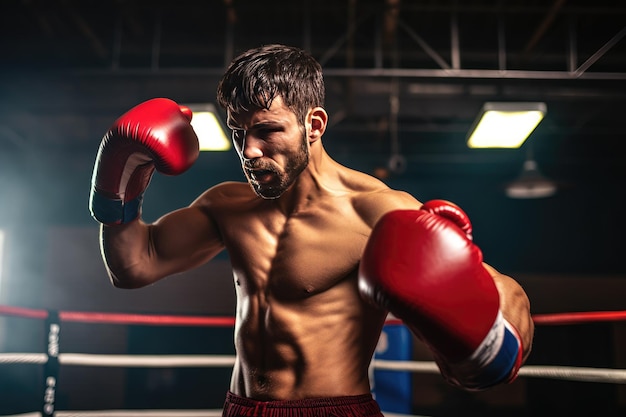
(515, 307)
(126, 253)
(154, 135)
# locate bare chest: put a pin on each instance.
(295, 257)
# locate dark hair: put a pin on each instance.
(256, 77)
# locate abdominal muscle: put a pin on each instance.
(316, 347)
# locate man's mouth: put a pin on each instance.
(262, 175)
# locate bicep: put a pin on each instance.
(138, 254)
(183, 239)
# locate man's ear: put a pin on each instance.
(317, 120)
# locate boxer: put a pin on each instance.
(310, 244)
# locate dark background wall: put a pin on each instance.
(69, 68)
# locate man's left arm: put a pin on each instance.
(422, 266)
(515, 307)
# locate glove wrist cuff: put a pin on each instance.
(496, 360)
(114, 211)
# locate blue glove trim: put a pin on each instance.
(110, 211)
(495, 360)
(499, 370)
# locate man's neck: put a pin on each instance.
(319, 178)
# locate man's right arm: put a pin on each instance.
(137, 254)
(156, 134)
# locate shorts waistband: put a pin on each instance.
(353, 405)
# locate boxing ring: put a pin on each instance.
(52, 359)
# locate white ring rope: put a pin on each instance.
(158, 361)
(35, 414)
(140, 413)
(426, 367)
(571, 373)
(38, 358)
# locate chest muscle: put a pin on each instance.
(299, 257)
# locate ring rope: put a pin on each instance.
(23, 312)
(574, 373)
(582, 374)
(570, 373)
(37, 358)
(34, 414)
(120, 318)
(140, 413)
(154, 361)
(579, 317)
(163, 320)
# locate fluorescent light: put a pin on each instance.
(208, 127)
(505, 125)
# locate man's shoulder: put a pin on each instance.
(386, 199)
(359, 182)
(372, 203)
(226, 194)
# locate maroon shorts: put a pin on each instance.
(350, 406)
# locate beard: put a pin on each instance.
(268, 180)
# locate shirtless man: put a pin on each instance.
(309, 312)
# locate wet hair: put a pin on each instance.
(256, 77)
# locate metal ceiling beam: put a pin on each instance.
(472, 73)
(544, 26)
(600, 52)
(369, 72)
(87, 31)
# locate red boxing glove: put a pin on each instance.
(154, 134)
(422, 266)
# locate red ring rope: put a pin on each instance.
(578, 318)
(121, 318)
(161, 320)
(23, 312)
(165, 320)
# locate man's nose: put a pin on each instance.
(252, 147)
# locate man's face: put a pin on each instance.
(272, 146)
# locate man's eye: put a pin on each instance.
(266, 134)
